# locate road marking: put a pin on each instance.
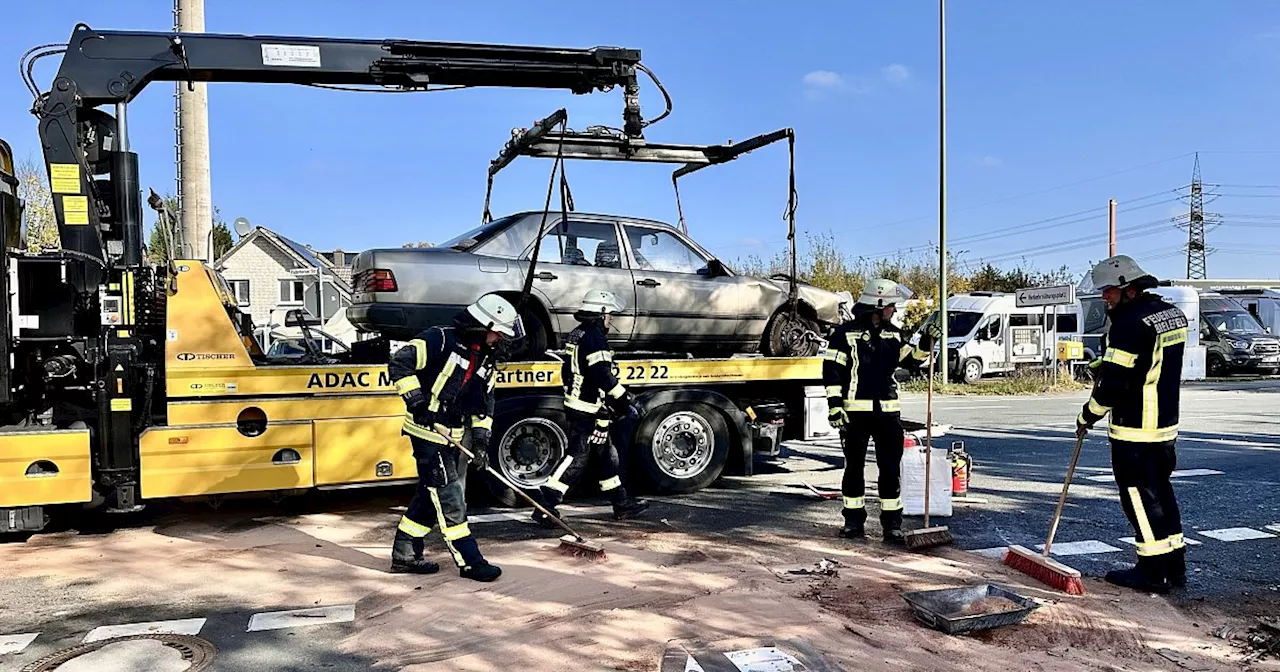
(1181, 473)
(1080, 548)
(995, 553)
(16, 643)
(1134, 542)
(186, 626)
(296, 618)
(1273, 528)
(1235, 534)
(526, 517)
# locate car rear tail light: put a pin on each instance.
(378, 280)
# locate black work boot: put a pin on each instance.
(625, 506)
(406, 556)
(1149, 575)
(891, 521)
(1176, 567)
(476, 567)
(855, 524)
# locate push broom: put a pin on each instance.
(572, 543)
(928, 537)
(1040, 566)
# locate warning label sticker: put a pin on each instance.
(291, 55)
(75, 209)
(65, 178)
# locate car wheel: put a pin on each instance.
(1217, 366)
(681, 447)
(791, 335)
(527, 453)
(972, 370)
(534, 345)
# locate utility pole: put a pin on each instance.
(1197, 222)
(943, 354)
(1111, 228)
(195, 205)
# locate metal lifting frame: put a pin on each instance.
(603, 144)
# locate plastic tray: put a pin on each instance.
(941, 609)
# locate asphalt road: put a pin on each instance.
(1228, 449)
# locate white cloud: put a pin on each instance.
(989, 161)
(896, 74)
(824, 79)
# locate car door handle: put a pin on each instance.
(545, 275)
(648, 282)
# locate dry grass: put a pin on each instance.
(1019, 383)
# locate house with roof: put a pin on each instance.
(270, 274)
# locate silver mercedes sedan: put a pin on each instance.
(678, 297)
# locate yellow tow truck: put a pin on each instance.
(124, 382)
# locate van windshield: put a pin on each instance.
(1234, 322)
(959, 322)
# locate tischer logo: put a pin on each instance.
(192, 356)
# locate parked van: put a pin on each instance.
(1235, 340)
(988, 334)
(1264, 304)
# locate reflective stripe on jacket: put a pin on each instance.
(456, 379)
(588, 373)
(859, 363)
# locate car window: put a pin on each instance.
(509, 241)
(592, 244)
(656, 250)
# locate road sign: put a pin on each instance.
(1060, 295)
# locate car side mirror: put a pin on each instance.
(715, 269)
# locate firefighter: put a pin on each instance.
(862, 398)
(593, 399)
(1138, 384)
(446, 376)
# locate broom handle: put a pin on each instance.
(1062, 499)
(928, 442)
(503, 479)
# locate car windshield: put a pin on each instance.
(479, 235)
(959, 322)
(1234, 322)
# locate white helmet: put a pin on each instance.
(497, 314)
(1120, 271)
(601, 302)
(880, 293)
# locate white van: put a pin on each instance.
(987, 333)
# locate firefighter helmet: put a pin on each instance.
(1120, 271)
(880, 293)
(495, 313)
(601, 302)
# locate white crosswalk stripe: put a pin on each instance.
(16, 643)
(186, 626)
(279, 620)
(1080, 548)
(1181, 473)
(1235, 534)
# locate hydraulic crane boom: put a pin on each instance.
(102, 219)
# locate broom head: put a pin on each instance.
(927, 537)
(1045, 570)
(581, 548)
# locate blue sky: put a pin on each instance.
(1053, 109)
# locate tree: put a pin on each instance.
(38, 216)
(158, 242)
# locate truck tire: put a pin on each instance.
(681, 447)
(526, 452)
(971, 372)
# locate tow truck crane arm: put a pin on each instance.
(111, 67)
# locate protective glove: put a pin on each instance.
(621, 406)
(1082, 428)
(599, 436)
(929, 336)
(837, 417)
(480, 448)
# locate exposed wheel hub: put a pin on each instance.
(683, 444)
(530, 450)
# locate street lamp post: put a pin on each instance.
(943, 353)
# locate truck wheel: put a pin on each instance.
(681, 447)
(1217, 366)
(972, 371)
(526, 454)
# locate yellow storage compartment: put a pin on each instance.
(362, 451)
(1070, 351)
(186, 461)
(45, 467)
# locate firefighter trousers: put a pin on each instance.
(440, 501)
(886, 429)
(1142, 473)
(581, 452)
